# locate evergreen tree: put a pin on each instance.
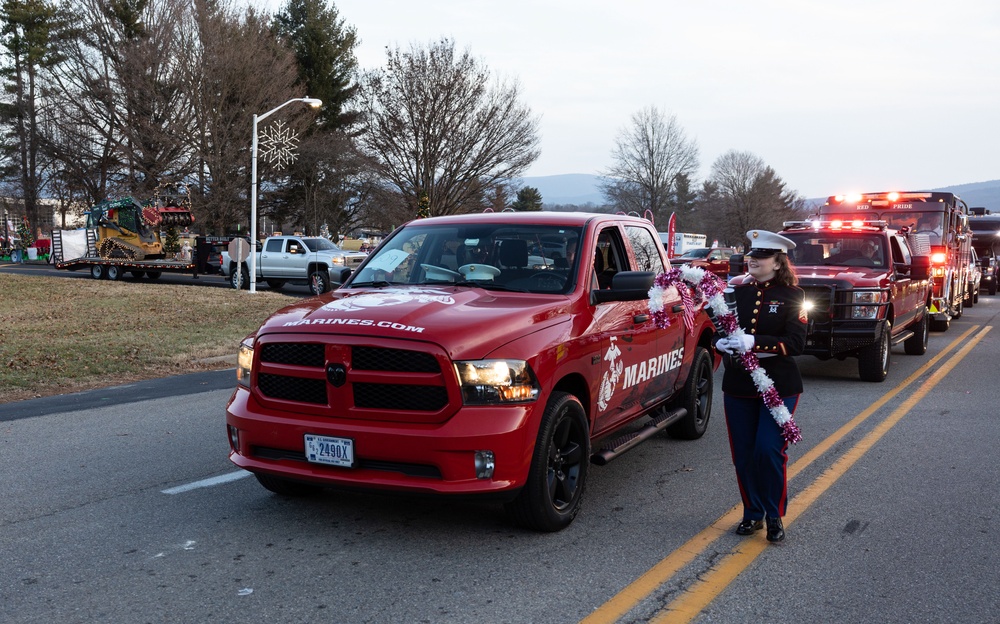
(324, 48)
(24, 234)
(423, 206)
(528, 199)
(327, 180)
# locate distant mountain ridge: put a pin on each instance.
(570, 189)
(581, 189)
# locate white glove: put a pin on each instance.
(725, 345)
(743, 342)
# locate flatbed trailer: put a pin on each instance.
(115, 268)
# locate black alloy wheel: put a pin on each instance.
(696, 398)
(553, 492)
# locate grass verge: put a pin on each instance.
(66, 335)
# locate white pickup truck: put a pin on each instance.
(310, 260)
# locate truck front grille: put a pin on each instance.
(293, 388)
(399, 397)
(354, 381)
(400, 360)
(297, 353)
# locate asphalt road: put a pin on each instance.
(120, 505)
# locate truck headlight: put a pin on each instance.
(866, 304)
(492, 382)
(244, 360)
(338, 260)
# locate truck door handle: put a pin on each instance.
(677, 308)
(640, 318)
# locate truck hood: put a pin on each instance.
(856, 276)
(466, 322)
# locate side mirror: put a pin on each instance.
(344, 274)
(626, 286)
(736, 265)
(920, 267)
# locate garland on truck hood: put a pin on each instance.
(694, 285)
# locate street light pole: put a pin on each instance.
(313, 102)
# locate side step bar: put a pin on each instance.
(906, 335)
(627, 442)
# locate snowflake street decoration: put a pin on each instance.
(277, 145)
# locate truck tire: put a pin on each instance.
(97, 271)
(992, 288)
(552, 494)
(969, 300)
(286, 487)
(873, 360)
(138, 274)
(959, 309)
(239, 278)
(917, 344)
(696, 398)
(114, 272)
(319, 282)
(276, 284)
(154, 275)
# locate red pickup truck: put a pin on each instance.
(461, 359)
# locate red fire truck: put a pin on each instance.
(943, 218)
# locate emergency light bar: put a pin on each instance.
(890, 197)
(837, 224)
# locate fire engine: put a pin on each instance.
(942, 217)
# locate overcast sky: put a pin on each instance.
(849, 95)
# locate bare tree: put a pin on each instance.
(149, 50)
(30, 30)
(122, 117)
(435, 123)
(82, 128)
(649, 157)
(229, 86)
(329, 185)
(743, 193)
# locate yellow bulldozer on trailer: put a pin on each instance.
(122, 236)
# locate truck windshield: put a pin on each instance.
(501, 256)
(319, 244)
(701, 252)
(837, 249)
(919, 222)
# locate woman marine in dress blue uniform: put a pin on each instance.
(769, 307)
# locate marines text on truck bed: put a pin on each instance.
(461, 358)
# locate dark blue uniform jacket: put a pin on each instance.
(774, 316)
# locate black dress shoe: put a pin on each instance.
(775, 530)
(746, 527)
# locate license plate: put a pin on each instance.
(330, 451)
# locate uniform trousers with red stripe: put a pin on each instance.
(758, 455)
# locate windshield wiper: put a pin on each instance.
(488, 285)
(374, 284)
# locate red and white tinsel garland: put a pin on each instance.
(694, 284)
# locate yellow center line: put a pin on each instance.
(632, 594)
(686, 607)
